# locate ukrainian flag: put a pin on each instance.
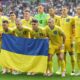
(23, 54)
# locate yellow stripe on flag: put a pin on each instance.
(23, 63)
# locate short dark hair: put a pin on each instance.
(11, 12)
(27, 10)
(34, 20)
(5, 21)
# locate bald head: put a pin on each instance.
(51, 22)
(18, 24)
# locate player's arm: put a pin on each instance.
(62, 35)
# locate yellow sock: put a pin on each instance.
(73, 62)
(62, 65)
(50, 66)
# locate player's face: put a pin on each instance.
(34, 25)
(40, 9)
(26, 15)
(5, 25)
(51, 11)
(18, 24)
(13, 16)
(64, 11)
(51, 22)
(78, 11)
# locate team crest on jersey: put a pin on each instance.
(67, 20)
(55, 32)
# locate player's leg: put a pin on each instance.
(50, 65)
(59, 61)
(65, 57)
(72, 55)
(50, 61)
(61, 58)
(49, 70)
(72, 62)
(59, 65)
(65, 51)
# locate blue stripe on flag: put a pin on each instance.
(25, 46)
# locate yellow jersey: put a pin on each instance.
(24, 32)
(67, 26)
(37, 34)
(26, 23)
(77, 26)
(54, 35)
(56, 20)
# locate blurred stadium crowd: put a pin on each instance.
(19, 5)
